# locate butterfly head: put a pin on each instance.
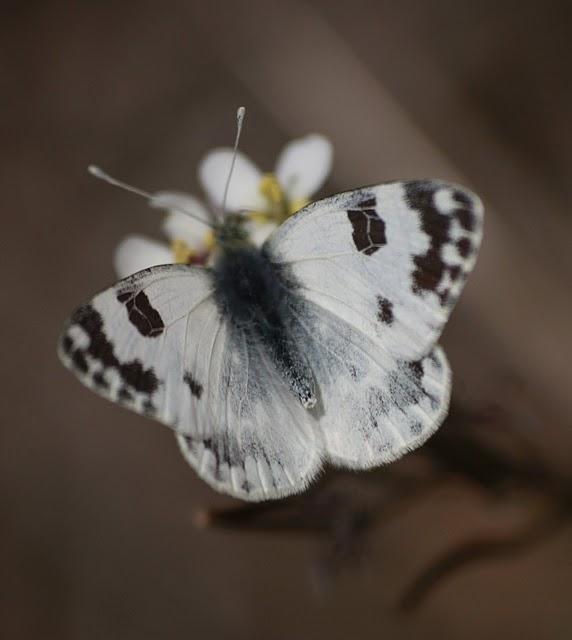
(231, 232)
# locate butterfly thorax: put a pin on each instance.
(258, 300)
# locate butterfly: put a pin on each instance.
(319, 347)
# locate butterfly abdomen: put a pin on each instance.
(257, 299)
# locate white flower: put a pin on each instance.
(266, 200)
(190, 241)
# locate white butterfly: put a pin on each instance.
(318, 347)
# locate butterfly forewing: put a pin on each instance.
(389, 260)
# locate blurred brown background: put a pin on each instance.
(97, 534)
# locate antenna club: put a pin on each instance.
(95, 171)
(240, 113)
(153, 199)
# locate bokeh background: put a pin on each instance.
(98, 528)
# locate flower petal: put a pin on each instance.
(181, 201)
(303, 166)
(179, 226)
(258, 232)
(243, 191)
(135, 253)
(177, 204)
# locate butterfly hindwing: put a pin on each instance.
(373, 407)
(157, 343)
(259, 442)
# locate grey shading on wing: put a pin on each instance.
(379, 270)
(157, 344)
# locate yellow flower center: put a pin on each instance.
(209, 240)
(270, 188)
(278, 206)
(183, 254)
(298, 204)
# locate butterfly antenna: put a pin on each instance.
(99, 173)
(240, 114)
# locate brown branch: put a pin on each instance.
(550, 521)
(344, 507)
(331, 502)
